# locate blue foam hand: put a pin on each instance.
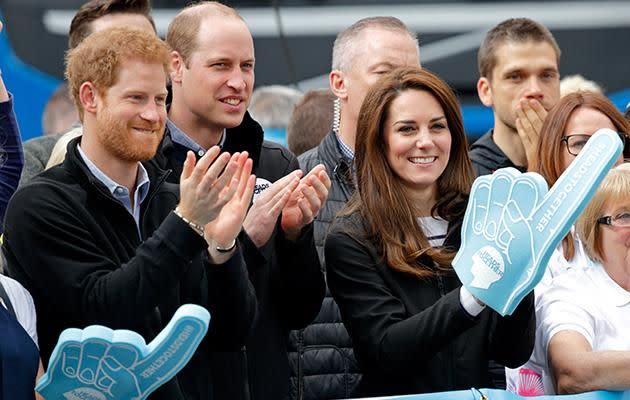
(513, 224)
(98, 363)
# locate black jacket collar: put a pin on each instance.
(343, 168)
(248, 136)
(74, 164)
(486, 153)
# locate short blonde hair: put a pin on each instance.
(614, 189)
(183, 30)
(577, 83)
(98, 57)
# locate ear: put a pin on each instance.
(89, 97)
(177, 67)
(484, 91)
(337, 82)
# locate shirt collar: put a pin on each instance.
(180, 137)
(345, 149)
(117, 190)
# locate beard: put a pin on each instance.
(121, 140)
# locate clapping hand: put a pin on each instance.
(305, 202)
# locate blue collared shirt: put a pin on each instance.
(120, 192)
(180, 137)
(345, 150)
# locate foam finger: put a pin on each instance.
(498, 196)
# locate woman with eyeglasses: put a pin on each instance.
(567, 128)
(585, 314)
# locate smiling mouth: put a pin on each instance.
(232, 102)
(422, 160)
(146, 131)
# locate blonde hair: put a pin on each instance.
(614, 189)
(577, 83)
(98, 57)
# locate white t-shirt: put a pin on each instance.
(527, 380)
(435, 230)
(22, 304)
(590, 303)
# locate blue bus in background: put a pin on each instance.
(294, 43)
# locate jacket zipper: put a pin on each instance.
(150, 197)
(246, 389)
(300, 366)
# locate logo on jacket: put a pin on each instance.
(261, 186)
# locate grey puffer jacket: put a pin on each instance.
(321, 356)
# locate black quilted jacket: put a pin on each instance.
(321, 356)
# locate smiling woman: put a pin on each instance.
(584, 315)
(414, 328)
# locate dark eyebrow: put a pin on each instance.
(550, 69)
(411, 121)
(513, 71)
(405, 121)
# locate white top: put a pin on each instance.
(23, 306)
(435, 230)
(558, 265)
(590, 303)
(527, 380)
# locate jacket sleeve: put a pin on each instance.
(11, 155)
(73, 265)
(386, 338)
(513, 337)
(232, 303)
(300, 287)
(299, 282)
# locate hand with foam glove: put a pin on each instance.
(513, 223)
(98, 363)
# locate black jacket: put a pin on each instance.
(412, 335)
(286, 276)
(340, 170)
(77, 250)
(487, 157)
(321, 356)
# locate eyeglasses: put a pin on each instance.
(575, 143)
(621, 220)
